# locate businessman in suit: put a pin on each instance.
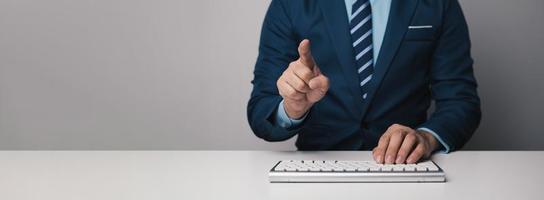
(361, 75)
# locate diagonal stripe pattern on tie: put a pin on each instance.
(361, 36)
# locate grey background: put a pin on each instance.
(175, 74)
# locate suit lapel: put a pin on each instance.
(400, 16)
(335, 15)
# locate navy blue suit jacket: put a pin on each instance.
(414, 66)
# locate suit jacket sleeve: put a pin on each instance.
(277, 48)
(453, 85)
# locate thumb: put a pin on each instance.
(320, 83)
(305, 54)
(319, 86)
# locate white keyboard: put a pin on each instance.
(354, 171)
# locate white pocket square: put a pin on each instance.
(420, 27)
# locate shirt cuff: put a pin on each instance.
(284, 121)
(446, 147)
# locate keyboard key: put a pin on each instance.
(433, 168)
(420, 168)
(363, 169)
(410, 168)
(291, 169)
(398, 168)
(430, 166)
(387, 168)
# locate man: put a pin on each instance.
(361, 74)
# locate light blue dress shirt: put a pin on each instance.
(380, 16)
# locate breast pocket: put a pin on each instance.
(420, 33)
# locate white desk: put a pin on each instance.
(243, 175)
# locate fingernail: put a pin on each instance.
(389, 159)
(379, 159)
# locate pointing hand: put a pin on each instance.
(302, 84)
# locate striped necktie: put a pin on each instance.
(361, 35)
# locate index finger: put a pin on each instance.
(305, 54)
(379, 151)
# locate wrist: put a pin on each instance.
(295, 110)
(431, 140)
